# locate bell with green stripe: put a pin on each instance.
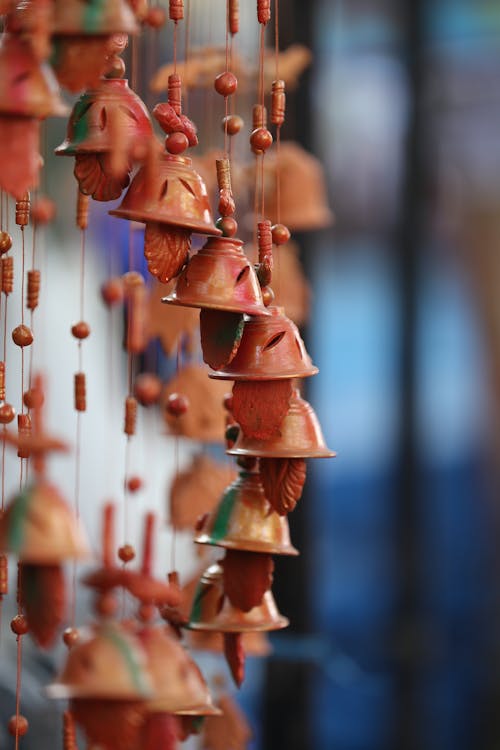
(244, 520)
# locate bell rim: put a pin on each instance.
(271, 549)
(63, 691)
(263, 453)
(172, 299)
(221, 375)
(278, 624)
(200, 710)
(199, 227)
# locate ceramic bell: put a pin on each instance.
(219, 277)
(106, 126)
(40, 527)
(178, 685)
(300, 436)
(271, 348)
(208, 614)
(244, 520)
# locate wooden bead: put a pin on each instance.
(23, 210)
(33, 291)
(260, 140)
(7, 274)
(126, 553)
(19, 625)
(33, 398)
(267, 296)
(115, 67)
(227, 225)
(177, 404)
(259, 116)
(176, 10)
(176, 143)
(82, 210)
(112, 292)
(278, 103)
(24, 431)
(71, 636)
(156, 17)
(107, 604)
(263, 11)
(80, 391)
(22, 336)
(80, 330)
(232, 124)
(175, 92)
(228, 402)
(18, 725)
(43, 210)
(226, 83)
(147, 388)
(2, 381)
(69, 732)
(234, 16)
(4, 576)
(130, 415)
(7, 413)
(5, 242)
(134, 484)
(280, 234)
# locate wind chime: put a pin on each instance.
(130, 680)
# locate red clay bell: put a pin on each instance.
(208, 614)
(271, 348)
(300, 436)
(219, 277)
(244, 520)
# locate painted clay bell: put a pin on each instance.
(179, 687)
(40, 527)
(207, 613)
(244, 520)
(300, 436)
(219, 277)
(93, 17)
(271, 348)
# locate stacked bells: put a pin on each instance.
(40, 528)
(28, 94)
(108, 126)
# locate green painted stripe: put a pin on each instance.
(92, 16)
(17, 520)
(131, 661)
(196, 608)
(224, 512)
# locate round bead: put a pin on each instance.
(134, 484)
(112, 292)
(147, 388)
(177, 404)
(19, 625)
(226, 83)
(260, 140)
(146, 612)
(7, 413)
(71, 636)
(280, 234)
(227, 225)
(228, 402)
(176, 143)
(107, 604)
(246, 462)
(32, 398)
(126, 553)
(5, 242)
(22, 336)
(232, 124)
(80, 330)
(43, 210)
(156, 17)
(115, 67)
(267, 295)
(18, 725)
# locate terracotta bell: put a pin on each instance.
(300, 436)
(40, 527)
(244, 520)
(179, 687)
(219, 277)
(107, 663)
(271, 348)
(106, 125)
(208, 614)
(93, 17)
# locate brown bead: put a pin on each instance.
(4, 576)
(7, 274)
(80, 330)
(82, 210)
(234, 16)
(147, 388)
(278, 103)
(126, 553)
(134, 484)
(5, 242)
(22, 336)
(23, 210)
(18, 725)
(146, 612)
(177, 404)
(112, 292)
(130, 415)
(228, 402)
(7, 413)
(267, 296)
(263, 11)
(280, 234)
(115, 67)
(156, 17)
(71, 636)
(33, 292)
(260, 140)
(259, 116)
(176, 143)
(176, 10)
(80, 391)
(227, 225)
(43, 210)
(33, 398)
(226, 83)
(107, 604)
(232, 124)
(19, 625)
